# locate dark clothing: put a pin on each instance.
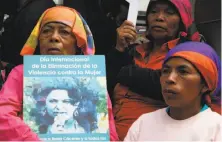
(120, 59)
(145, 82)
(103, 28)
(78, 5)
(9, 6)
(18, 28)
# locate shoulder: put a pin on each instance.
(16, 73)
(209, 124)
(146, 120)
(215, 116)
(212, 118)
(18, 69)
(152, 116)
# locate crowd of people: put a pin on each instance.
(164, 89)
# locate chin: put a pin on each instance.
(160, 37)
(54, 53)
(157, 36)
(172, 103)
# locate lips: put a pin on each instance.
(158, 28)
(169, 92)
(54, 50)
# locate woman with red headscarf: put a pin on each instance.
(169, 23)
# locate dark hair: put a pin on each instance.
(72, 93)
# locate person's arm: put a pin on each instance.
(115, 60)
(143, 81)
(12, 127)
(119, 56)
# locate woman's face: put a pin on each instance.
(57, 39)
(181, 83)
(58, 103)
(163, 21)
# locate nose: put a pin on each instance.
(160, 16)
(59, 106)
(55, 37)
(171, 78)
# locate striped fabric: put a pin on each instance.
(66, 16)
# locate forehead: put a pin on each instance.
(163, 5)
(58, 95)
(175, 62)
(56, 25)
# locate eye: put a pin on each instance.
(183, 71)
(45, 31)
(153, 11)
(165, 71)
(170, 11)
(65, 32)
(67, 101)
(53, 101)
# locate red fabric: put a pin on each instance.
(12, 127)
(216, 108)
(156, 58)
(112, 127)
(185, 9)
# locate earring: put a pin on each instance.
(44, 112)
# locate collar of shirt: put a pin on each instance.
(164, 48)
